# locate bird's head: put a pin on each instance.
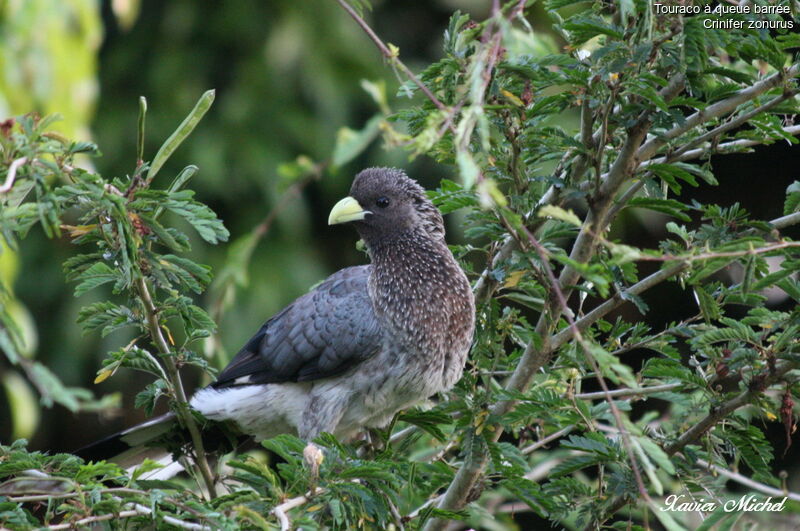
(384, 202)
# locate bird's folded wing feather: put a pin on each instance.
(321, 334)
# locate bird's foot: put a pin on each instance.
(313, 457)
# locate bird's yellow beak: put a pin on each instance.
(348, 209)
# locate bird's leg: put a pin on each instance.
(321, 415)
(376, 441)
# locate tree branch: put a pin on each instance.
(137, 510)
(757, 385)
(637, 391)
(721, 108)
(534, 359)
(182, 404)
(736, 122)
(726, 147)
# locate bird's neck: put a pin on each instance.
(415, 283)
(409, 256)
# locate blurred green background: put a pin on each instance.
(287, 78)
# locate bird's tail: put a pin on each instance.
(159, 439)
(130, 447)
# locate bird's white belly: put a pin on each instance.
(383, 391)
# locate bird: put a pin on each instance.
(365, 343)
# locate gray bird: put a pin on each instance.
(365, 343)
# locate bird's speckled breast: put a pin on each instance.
(422, 297)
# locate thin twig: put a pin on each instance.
(390, 56)
(645, 284)
(736, 122)
(757, 385)
(637, 391)
(720, 254)
(747, 482)
(724, 148)
(786, 221)
(467, 476)
(12, 174)
(138, 510)
(547, 440)
(280, 510)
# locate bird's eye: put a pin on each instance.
(382, 202)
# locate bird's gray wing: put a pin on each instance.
(321, 334)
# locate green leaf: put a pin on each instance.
(582, 28)
(669, 370)
(148, 465)
(612, 367)
(451, 196)
(428, 421)
(467, 168)
(733, 331)
(750, 443)
(96, 275)
(666, 519)
(552, 211)
(592, 442)
(529, 492)
(147, 398)
(792, 203)
(655, 453)
(106, 315)
(557, 4)
(788, 268)
(350, 143)
(179, 135)
(575, 463)
(200, 319)
(718, 516)
(671, 173)
(666, 206)
(201, 217)
(167, 236)
(709, 306)
(184, 272)
(178, 183)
